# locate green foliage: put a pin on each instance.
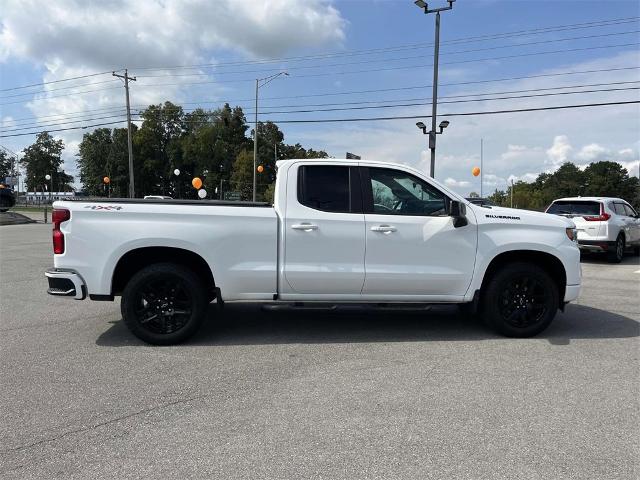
(242, 176)
(210, 144)
(270, 192)
(599, 179)
(44, 158)
(5, 165)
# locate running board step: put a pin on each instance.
(320, 307)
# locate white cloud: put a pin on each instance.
(592, 152)
(559, 152)
(147, 32)
(452, 182)
(79, 37)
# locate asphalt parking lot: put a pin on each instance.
(314, 394)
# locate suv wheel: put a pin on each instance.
(616, 255)
(520, 300)
(164, 304)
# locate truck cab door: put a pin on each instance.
(323, 234)
(413, 247)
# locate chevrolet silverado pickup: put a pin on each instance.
(338, 232)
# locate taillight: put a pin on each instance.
(58, 216)
(603, 217)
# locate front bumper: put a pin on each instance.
(66, 283)
(571, 292)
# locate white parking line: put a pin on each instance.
(637, 271)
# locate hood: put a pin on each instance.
(517, 216)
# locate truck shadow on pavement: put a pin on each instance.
(250, 325)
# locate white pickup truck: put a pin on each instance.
(339, 232)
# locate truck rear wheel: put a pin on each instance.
(520, 300)
(164, 304)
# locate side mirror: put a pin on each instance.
(458, 211)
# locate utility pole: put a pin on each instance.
(434, 99)
(512, 193)
(481, 167)
(260, 82)
(126, 78)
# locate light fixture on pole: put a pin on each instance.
(432, 138)
(434, 98)
(260, 82)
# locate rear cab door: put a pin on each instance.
(323, 232)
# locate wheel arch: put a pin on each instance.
(548, 262)
(134, 260)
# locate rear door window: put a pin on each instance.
(630, 211)
(575, 207)
(330, 188)
(619, 209)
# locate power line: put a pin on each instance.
(542, 30)
(493, 112)
(405, 67)
(365, 119)
(396, 59)
(358, 107)
(57, 89)
(486, 37)
(54, 81)
(383, 90)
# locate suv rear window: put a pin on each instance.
(573, 207)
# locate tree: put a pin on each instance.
(158, 147)
(474, 195)
(242, 174)
(44, 157)
(105, 153)
(5, 165)
(610, 179)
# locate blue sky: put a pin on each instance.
(83, 37)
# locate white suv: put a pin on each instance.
(604, 224)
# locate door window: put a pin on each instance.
(326, 188)
(619, 209)
(629, 210)
(398, 193)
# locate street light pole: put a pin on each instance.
(255, 142)
(260, 82)
(434, 99)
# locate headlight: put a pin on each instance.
(572, 233)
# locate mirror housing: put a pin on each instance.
(458, 211)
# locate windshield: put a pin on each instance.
(573, 207)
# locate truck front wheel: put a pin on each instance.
(520, 300)
(164, 304)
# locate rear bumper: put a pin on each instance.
(65, 283)
(595, 245)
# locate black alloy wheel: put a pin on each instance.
(164, 304)
(524, 301)
(519, 300)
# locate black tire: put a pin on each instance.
(617, 254)
(164, 304)
(520, 300)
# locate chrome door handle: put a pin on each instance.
(307, 227)
(383, 228)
